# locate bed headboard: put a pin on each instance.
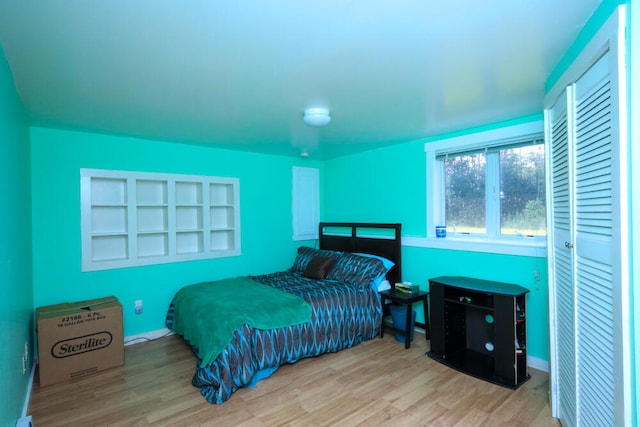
(372, 238)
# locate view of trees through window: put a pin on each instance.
(520, 200)
(522, 191)
(465, 188)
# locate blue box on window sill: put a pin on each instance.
(441, 231)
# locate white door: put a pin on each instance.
(596, 245)
(588, 268)
(562, 301)
(600, 287)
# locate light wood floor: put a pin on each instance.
(375, 383)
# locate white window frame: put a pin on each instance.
(305, 202)
(492, 243)
(195, 217)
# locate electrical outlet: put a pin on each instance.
(25, 357)
(138, 306)
(536, 277)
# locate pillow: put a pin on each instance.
(306, 253)
(357, 270)
(387, 264)
(318, 267)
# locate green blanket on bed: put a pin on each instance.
(207, 314)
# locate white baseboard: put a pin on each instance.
(25, 422)
(27, 398)
(539, 364)
(147, 336)
(532, 362)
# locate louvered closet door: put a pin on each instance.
(588, 370)
(563, 300)
(588, 260)
(597, 243)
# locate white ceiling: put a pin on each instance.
(239, 73)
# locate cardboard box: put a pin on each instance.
(79, 339)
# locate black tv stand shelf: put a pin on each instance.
(479, 327)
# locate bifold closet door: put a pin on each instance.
(584, 168)
(562, 303)
(597, 243)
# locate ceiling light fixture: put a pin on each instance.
(317, 116)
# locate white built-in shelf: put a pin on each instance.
(139, 218)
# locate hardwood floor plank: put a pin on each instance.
(473, 418)
(377, 383)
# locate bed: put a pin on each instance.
(243, 329)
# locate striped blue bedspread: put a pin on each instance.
(342, 316)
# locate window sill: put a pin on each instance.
(531, 249)
(300, 237)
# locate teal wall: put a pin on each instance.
(57, 156)
(389, 185)
(599, 17)
(385, 185)
(16, 292)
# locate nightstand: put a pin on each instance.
(391, 296)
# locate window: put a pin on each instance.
(306, 202)
(508, 180)
(139, 218)
(488, 186)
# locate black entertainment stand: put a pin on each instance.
(479, 327)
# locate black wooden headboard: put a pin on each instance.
(372, 238)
